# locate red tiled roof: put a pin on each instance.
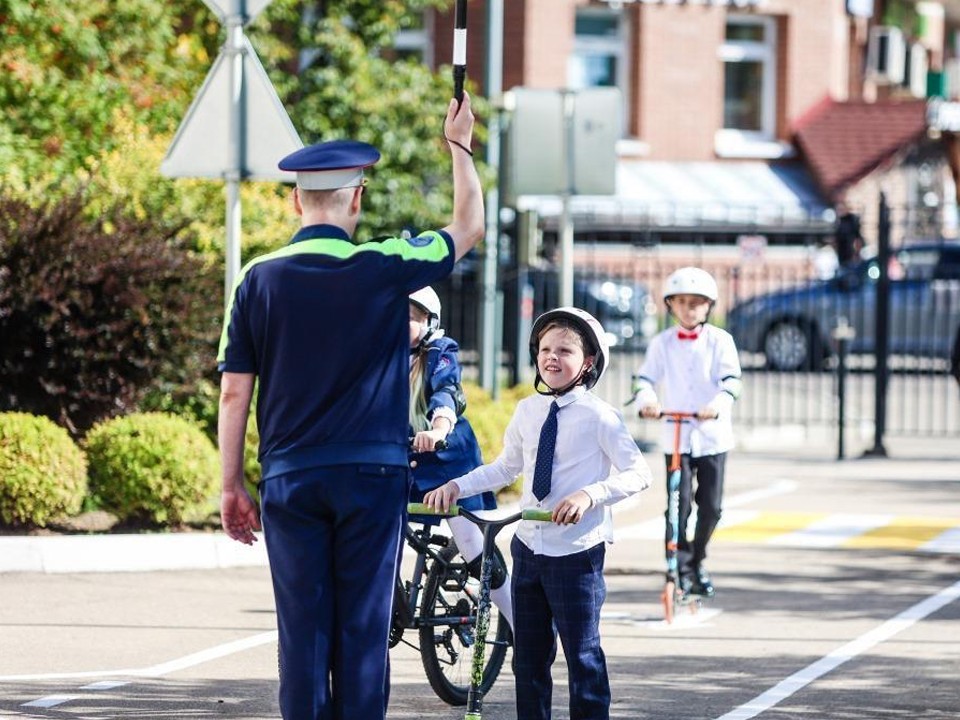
(844, 141)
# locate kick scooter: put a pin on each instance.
(673, 594)
(490, 528)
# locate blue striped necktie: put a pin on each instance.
(543, 470)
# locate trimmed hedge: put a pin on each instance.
(152, 467)
(43, 474)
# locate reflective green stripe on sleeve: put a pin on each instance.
(429, 246)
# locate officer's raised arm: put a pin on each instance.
(467, 225)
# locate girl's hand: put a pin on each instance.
(707, 413)
(443, 498)
(571, 509)
(426, 440)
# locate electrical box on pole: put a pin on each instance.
(564, 143)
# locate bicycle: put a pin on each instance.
(479, 685)
(438, 600)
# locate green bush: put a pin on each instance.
(43, 474)
(152, 467)
(95, 312)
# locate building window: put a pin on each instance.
(749, 53)
(414, 42)
(598, 51)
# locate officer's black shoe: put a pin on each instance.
(702, 585)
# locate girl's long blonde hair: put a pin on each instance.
(418, 400)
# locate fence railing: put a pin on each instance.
(783, 305)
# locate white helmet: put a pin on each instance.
(427, 300)
(592, 331)
(691, 281)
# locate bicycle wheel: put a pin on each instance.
(447, 649)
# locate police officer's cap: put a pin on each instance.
(331, 165)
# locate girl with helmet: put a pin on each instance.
(697, 370)
(436, 414)
(577, 457)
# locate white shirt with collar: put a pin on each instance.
(595, 453)
(693, 374)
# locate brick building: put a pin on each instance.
(733, 110)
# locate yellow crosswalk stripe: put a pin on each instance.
(929, 534)
(766, 525)
(903, 533)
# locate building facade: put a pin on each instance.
(716, 93)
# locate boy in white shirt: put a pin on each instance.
(698, 370)
(577, 457)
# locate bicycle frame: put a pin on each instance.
(406, 598)
(490, 528)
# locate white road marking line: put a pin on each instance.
(831, 531)
(105, 685)
(784, 689)
(653, 529)
(947, 542)
(160, 669)
(780, 487)
(683, 619)
(50, 701)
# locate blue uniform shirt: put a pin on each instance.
(323, 323)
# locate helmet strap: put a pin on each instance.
(580, 378)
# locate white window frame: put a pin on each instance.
(733, 142)
(615, 46)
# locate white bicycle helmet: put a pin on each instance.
(691, 281)
(426, 299)
(592, 331)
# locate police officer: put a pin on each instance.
(323, 325)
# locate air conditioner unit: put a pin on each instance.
(915, 70)
(886, 55)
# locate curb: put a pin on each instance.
(127, 553)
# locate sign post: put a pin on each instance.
(236, 128)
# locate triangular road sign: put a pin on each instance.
(202, 147)
(247, 9)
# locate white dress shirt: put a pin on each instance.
(591, 441)
(693, 374)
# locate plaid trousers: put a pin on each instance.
(559, 596)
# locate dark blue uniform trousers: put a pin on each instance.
(559, 596)
(709, 498)
(332, 537)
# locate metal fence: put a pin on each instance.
(864, 344)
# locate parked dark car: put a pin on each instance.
(792, 327)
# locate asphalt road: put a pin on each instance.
(838, 597)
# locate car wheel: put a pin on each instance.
(788, 346)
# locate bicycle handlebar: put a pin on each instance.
(437, 446)
(456, 510)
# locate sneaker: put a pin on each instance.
(686, 584)
(702, 585)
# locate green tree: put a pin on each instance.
(350, 88)
(67, 66)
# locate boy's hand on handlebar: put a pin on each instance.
(444, 497)
(570, 510)
(707, 413)
(651, 412)
(426, 440)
